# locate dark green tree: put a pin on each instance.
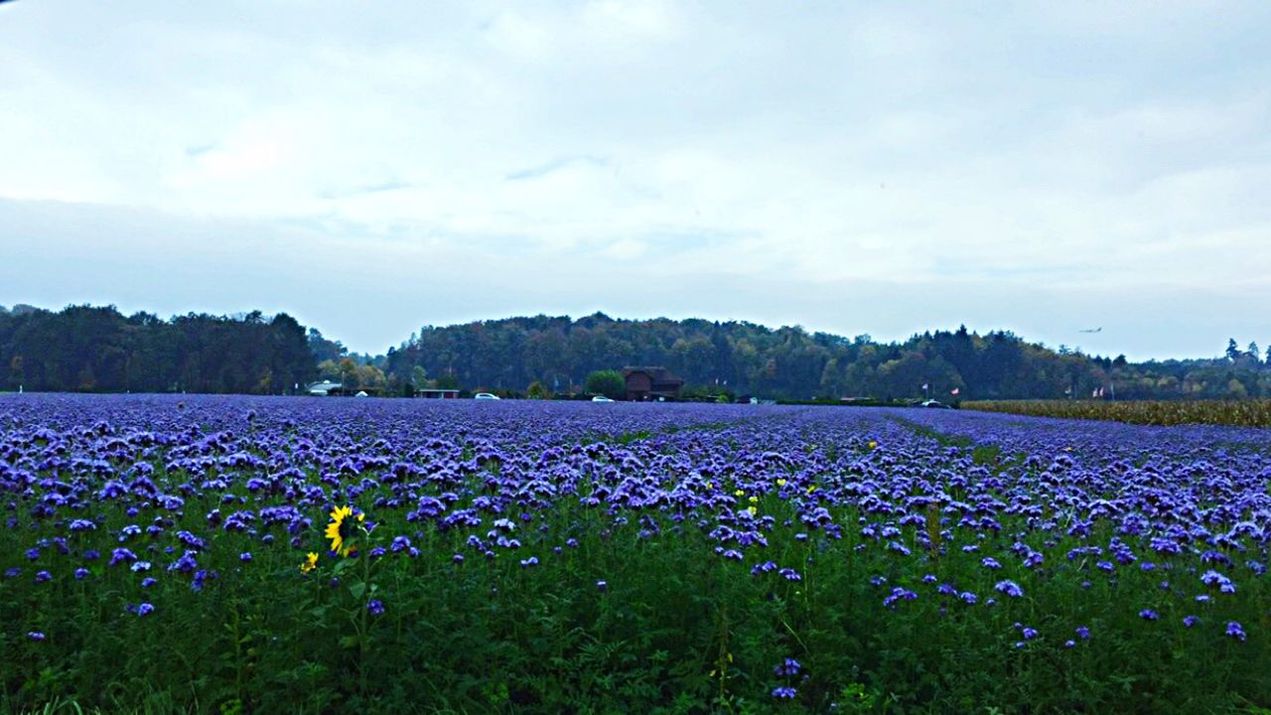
(606, 382)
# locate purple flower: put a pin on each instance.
(121, 555)
(898, 594)
(375, 607)
(602, 585)
(43, 576)
(1083, 633)
(143, 609)
(1235, 630)
(1148, 614)
(35, 635)
(186, 564)
(764, 567)
(1213, 578)
(787, 668)
(1189, 621)
(1010, 588)
(191, 540)
(784, 693)
(245, 557)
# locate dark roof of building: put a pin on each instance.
(659, 377)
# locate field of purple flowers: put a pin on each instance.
(234, 554)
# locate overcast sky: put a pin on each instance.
(881, 168)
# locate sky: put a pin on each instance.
(878, 168)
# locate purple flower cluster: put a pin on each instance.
(152, 491)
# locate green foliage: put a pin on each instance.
(96, 349)
(606, 382)
(669, 632)
(793, 365)
(83, 348)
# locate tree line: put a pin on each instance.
(737, 357)
(97, 349)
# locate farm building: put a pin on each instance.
(437, 394)
(322, 389)
(341, 391)
(651, 383)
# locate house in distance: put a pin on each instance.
(322, 389)
(437, 394)
(651, 383)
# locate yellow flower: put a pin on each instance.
(754, 500)
(340, 530)
(311, 563)
(739, 493)
(752, 510)
(781, 482)
(872, 444)
(811, 489)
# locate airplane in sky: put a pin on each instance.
(1092, 330)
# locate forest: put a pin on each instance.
(791, 363)
(97, 349)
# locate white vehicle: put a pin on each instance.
(484, 396)
(601, 398)
(361, 393)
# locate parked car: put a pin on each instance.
(935, 404)
(601, 398)
(485, 396)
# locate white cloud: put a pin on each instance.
(842, 149)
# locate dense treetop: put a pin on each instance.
(90, 349)
(790, 362)
(84, 348)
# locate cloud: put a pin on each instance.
(535, 172)
(950, 160)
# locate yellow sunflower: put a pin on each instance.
(341, 530)
(311, 563)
